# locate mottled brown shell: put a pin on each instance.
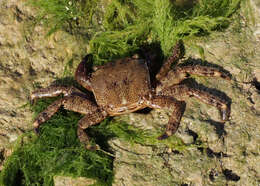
(121, 85)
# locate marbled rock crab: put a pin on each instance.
(124, 86)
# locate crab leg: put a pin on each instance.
(46, 114)
(180, 73)
(177, 108)
(85, 122)
(177, 54)
(73, 103)
(53, 91)
(181, 92)
(77, 104)
(203, 71)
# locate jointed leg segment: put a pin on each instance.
(87, 121)
(181, 92)
(202, 71)
(180, 73)
(74, 103)
(46, 114)
(177, 108)
(177, 54)
(53, 91)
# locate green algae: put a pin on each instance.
(126, 26)
(69, 15)
(56, 151)
(162, 22)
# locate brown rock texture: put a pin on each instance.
(214, 154)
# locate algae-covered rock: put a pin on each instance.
(27, 59)
(204, 151)
(217, 153)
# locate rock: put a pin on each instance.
(256, 12)
(211, 153)
(69, 181)
(27, 58)
(257, 74)
(228, 152)
(256, 100)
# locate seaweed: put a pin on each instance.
(118, 28)
(69, 15)
(123, 27)
(157, 21)
(56, 151)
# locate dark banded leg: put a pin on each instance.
(53, 91)
(177, 53)
(77, 104)
(177, 108)
(73, 103)
(46, 114)
(85, 122)
(177, 75)
(203, 71)
(181, 92)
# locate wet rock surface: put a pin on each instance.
(228, 153)
(216, 153)
(28, 59)
(63, 181)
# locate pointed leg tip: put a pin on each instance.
(224, 119)
(92, 147)
(179, 48)
(225, 113)
(36, 127)
(226, 77)
(163, 136)
(36, 131)
(31, 100)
